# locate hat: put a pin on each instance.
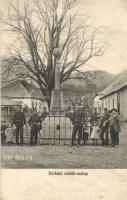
(114, 109)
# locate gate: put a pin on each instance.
(55, 130)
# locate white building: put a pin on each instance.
(24, 92)
(115, 95)
(97, 101)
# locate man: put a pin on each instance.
(19, 121)
(78, 121)
(35, 124)
(104, 127)
(85, 134)
(115, 128)
(3, 128)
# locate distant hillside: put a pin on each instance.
(89, 82)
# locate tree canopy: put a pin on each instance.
(41, 27)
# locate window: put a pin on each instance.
(113, 102)
(32, 104)
(106, 104)
(102, 105)
(109, 104)
(4, 110)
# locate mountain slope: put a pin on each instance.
(89, 82)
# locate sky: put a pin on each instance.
(112, 14)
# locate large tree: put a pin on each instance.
(41, 27)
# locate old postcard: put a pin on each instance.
(63, 99)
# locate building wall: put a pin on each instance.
(114, 100)
(39, 105)
(26, 101)
(97, 102)
(31, 103)
(109, 102)
(123, 104)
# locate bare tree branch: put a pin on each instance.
(43, 26)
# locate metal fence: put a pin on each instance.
(55, 130)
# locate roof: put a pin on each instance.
(20, 89)
(97, 94)
(118, 83)
(11, 70)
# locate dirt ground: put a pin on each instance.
(63, 156)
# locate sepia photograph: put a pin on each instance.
(63, 84)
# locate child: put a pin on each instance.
(95, 133)
(9, 132)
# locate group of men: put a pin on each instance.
(109, 122)
(35, 123)
(80, 118)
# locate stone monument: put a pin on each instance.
(57, 126)
(57, 104)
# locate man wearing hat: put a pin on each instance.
(78, 119)
(35, 124)
(104, 127)
(115, 127)
(19, 121)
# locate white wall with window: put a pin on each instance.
(109, 102)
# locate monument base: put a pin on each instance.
(57, 104)
(57, 129)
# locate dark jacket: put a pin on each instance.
(105, 118)
(19, 118)
(115, 123)
(35, 120)
(78, 118)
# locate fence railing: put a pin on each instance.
(55, 130)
